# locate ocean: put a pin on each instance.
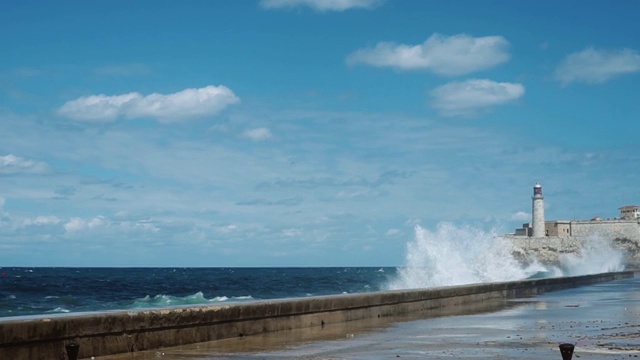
(449, 255)
(46, 290)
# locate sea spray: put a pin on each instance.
(458, 255)
(453, 255)
(597, 256)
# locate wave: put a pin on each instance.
(198, 298)
(58, 310)
(453, 255)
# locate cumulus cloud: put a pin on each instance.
(444, 55)
(11, 164)
(185, 104)
(595, 66)
(258, 134)
(322, 5)
(73, 225)
(468, 98)
(521, 216)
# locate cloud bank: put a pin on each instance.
(11, 164)
(322, 5)
(468, 98)
(596, 66)
(182, 105)
(444, 55)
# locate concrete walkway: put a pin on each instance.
(602, 320)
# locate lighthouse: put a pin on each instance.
(538, 212)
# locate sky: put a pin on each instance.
(305, 132)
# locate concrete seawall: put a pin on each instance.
(108, 333)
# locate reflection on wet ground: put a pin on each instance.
(602, 320)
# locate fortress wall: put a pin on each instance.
(610, 229)
(545, 249)
(107, 333)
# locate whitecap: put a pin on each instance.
(59, 310)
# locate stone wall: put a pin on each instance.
(545, 250)
(98, 334)
(610, 229)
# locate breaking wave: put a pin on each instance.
(453, 255)
(198, 298)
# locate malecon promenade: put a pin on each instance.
(601, 320)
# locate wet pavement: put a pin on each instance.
(602, 321)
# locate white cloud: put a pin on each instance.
(595, 66)
(322, 5)
(467, 98)
(76, 224)
(98, 108)
(104, 225)
(258, 134)
(444, 55)
(225, 229)
(11, 164)
(96, 222)
(42, 220)
(393, 232)
(292, 233)
(73, 225)
(185, 104)
(521, 216)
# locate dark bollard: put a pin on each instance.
(72, 350)
(566, 350)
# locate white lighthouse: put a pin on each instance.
(538, 212)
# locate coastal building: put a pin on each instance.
(629, 212)
(625, 226)
(559, 237)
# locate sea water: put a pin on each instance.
(448, 255)
(32, 291)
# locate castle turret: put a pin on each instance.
(537, 212)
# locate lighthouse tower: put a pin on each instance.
(538, 212)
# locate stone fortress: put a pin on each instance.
(546, 240)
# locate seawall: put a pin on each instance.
(99, 334)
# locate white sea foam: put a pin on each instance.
(453, 255)
(58, 310)
(162, 300)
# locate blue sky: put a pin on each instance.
(305, 132)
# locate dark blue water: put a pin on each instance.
(36, 291)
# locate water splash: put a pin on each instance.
(453, 255)
(597, 256)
